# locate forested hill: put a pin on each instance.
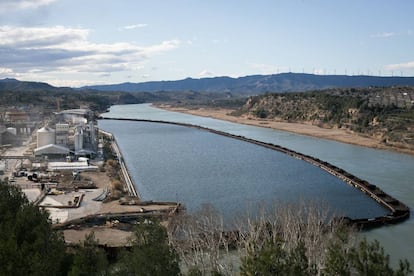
(16, 85)
(386, 114)
(22, 94)
(249, 85)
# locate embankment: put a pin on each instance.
(397, 210)
(132, 191)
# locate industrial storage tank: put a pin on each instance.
(12, 130)
(78, 139)
(45, 136)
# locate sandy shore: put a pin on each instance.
(340, 135)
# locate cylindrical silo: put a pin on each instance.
(45, 136)
(78, 139)
(12, 130)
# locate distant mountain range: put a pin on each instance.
(249, 85)
(256, 84)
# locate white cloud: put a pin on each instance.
(40, 37)
(384, 35)
(9, 5)
(68, 50)
(205, 73)
(70, 83)
(132, 27)
(392, 34)
(5, 71)
(400, 66)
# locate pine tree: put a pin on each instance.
(28, 244)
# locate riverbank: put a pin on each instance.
(340, 135)
(129, 184)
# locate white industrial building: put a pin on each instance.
(72, 166)
(52, 150)
(62, 134)
(75, 116)
(73, 134)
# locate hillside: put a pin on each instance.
(386, 114)
(257, 84)
(15, 94)
(16, 85)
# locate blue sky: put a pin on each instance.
(82, 42)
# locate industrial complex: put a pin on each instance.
(70, 168)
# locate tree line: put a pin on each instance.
(293, 240)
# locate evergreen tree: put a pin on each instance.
(150, 253)
(89, 259)
(28, 245)
(275, 259)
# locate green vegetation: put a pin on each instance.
(366, 258)
(28, 245)
(384, 113)
(273, 259)
(292, 241)
(89, 259)
(44, 98)
(47, 100)
(150, 254)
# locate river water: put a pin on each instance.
(175, 163)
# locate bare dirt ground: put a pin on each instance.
(104, 235)
(100, 179)
(340, 135)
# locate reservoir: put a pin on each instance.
(195, 167)
(170, 162)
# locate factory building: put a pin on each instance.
(19, 120)
(52, 151)
(62, 134)
(74, 116)
(72, 135)
(16, 117)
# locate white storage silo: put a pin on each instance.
(78, 139)
(12, 130)
(45, 136)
